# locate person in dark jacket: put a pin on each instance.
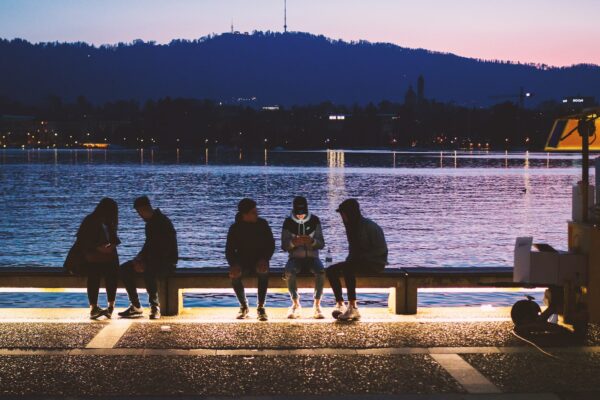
(157, 259)
(367, 253)
(250, 246)
(302, 238)
(97, 240)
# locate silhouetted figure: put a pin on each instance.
(250, 246)
(302, 238)
(97, 240)
(156, 260)
(367, 253)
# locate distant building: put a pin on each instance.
(420, 89)
(410, 98)
(575, 103)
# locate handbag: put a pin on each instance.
(75, 263)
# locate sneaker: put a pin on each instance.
(351, 314)
(340, 307)
(243, 313)
(294, 312)
(155, 312)
(317, 313)
(262, 314)
(96, 312)
(338, 310)
(131, 312)
(109, 312)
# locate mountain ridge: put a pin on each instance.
(274, 68)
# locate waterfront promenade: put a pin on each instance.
(438, 353)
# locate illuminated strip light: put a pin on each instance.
(284, 290)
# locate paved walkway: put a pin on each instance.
(438, 353)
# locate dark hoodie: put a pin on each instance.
(249, 242)
(160, 248)
(366, 241)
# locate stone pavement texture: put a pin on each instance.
(439, 354)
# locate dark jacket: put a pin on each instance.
(93, 233)
(160, 248)
(249, 242)
(310, 226)
(367, 243)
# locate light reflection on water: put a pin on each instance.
(437, 209)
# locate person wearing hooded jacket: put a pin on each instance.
(250, 246)
(367, 254)
(302, 238)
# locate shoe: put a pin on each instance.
(351, 314)
(262, 314)
(317, 313)
(294, 312)
(131, 312)
(109, 312)
(242, 313)
(155, 312)
(96, 312)
(338, 310)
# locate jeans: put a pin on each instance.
(349, 270)
(296, 265)
(95, 273)
(151, 276)
(250, 269)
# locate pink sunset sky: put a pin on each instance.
(555, 32)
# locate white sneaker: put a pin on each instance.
(317, 313)
(351, 313)
(294, 312)
(340, 307)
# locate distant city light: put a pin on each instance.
(337, 117)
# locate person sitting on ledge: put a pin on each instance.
(157, 259)
(367, 253)
(250, 246)
(302, 238)
(97, 243)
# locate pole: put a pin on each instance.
(585, 164)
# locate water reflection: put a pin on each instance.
(335, 158)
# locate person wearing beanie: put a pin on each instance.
(302, 238)
(367, 254)
(250, 246)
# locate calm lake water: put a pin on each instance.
(437, 209)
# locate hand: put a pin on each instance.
(262, 266)
(235, 271)
(306, 240)
(297, 241)
(138, 266)
(106, 248)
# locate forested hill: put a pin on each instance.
(273, 68)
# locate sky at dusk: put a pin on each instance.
(555, 32)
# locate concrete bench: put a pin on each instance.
(403, 283)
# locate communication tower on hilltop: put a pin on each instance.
(284, 16)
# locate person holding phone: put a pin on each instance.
(302, 238)
(157, 259)
(97, 240)
(249, 248)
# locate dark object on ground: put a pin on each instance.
(525, 312)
